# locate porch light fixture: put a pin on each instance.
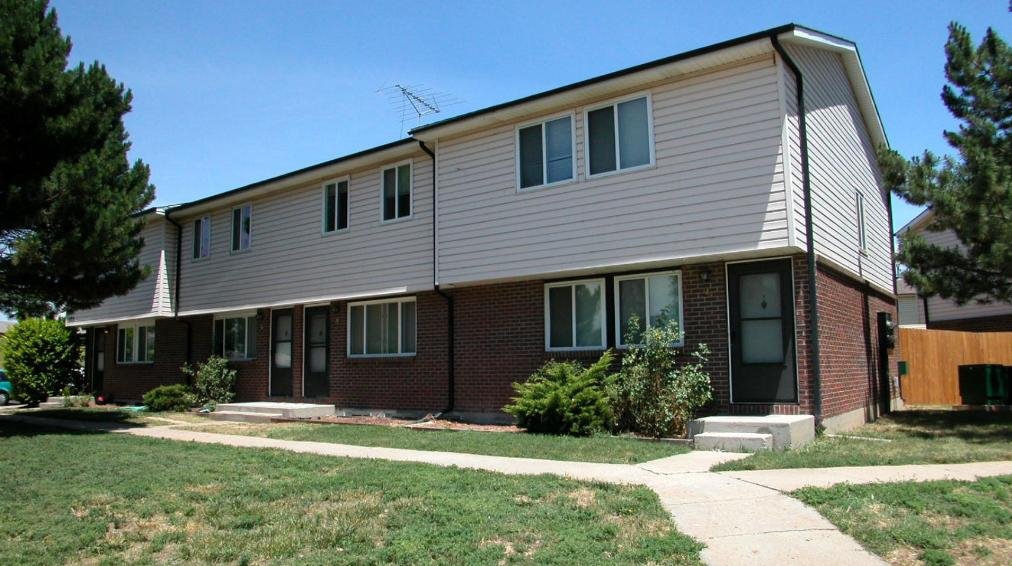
(704, 275)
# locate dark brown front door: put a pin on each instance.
(281, 353)
(761, 303)
(316, 352)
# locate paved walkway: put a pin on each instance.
(742, 517)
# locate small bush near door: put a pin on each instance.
(176, 397)
(213, 381)
(564, 398)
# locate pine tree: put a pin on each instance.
(969, 194)
(68, 234)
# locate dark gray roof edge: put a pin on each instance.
(251, 186)
(628, 71)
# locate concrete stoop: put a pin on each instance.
(752, 434)
(264, 411)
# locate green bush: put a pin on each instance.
(654, 393)
(564, 398)
(213, 381)
(40, 357)
(176, 397)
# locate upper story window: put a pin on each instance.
(862, 238)
(574, 317)
(235, 336)
(135, 344)
(396, 195)
(545, 153)
(648, 299)
(242, 227)
(382, 328)
(202, 237)
(335, 206)
(619, 136)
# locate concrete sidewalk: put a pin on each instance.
(742, 517)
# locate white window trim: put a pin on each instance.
(862, 225)
(400, 331)
(209, 236)
(231, 231)
(136, 326)
(677, 273)
(323, 209)
(603, 313)
(544, 151)
(618, 150)
(411, 196)
(245, 315)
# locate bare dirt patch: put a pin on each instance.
(983, 551)
(427, 423)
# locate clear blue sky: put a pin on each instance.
(231, 92)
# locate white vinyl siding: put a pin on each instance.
(575, 315)
(235, 336)
(944, 309)
(717, 187)
(135, 343)
(652, 298)
(382, 328)
(292, 263)
(545, 153)
(152, 296)
(395, 198)
(910, 309)
(842, 161)
(242, 228)
(202, 237)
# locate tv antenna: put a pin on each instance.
(414, 102)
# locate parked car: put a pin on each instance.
(5, 388)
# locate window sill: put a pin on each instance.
(329, 233)
(135, 363)
(538, 188)
(379, 356)
(397, 220)
(581, 349)
(589, 177)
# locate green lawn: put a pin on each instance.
(941, 522)
(917, 437)
(608, 449)
(111, 498)
(114, 415)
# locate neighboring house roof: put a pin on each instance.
(918, 222)
(904, 288)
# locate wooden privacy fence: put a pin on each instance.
(933, 358)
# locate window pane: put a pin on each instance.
(318, 328)
(196, 239)
(560, 321)
(759, 295)
(588, 314)
(121, 345)
(389, 194)
(247, 227)
(531, 165)
(601, 136)
(403, 191)
(142, 344)
(408, 327)
(391, 327)
(149, 350)
(128, 344)
(251, 337)
(283, 355)
(632, 302)
(761, 342)
(357, 328)
(283, 328)
(374, 329)
(861, 238)
(236, 223)
(559, 139)
(329, 207)
(318, 359)
(633, 136)
(342, 205)
(219, 338)
(663, 299)
(235, 337)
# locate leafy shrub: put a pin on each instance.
(654, 394)
(40, 358)
(564, 398)
(176, 397)
(213, 381)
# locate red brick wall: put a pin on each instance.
(129, 382)
(848, 327)
(1000, 323)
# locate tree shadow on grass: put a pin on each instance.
(982, 427)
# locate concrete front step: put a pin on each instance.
(788, 431)
(243, 416)
(733, 441)
(285, 410)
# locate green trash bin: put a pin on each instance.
(995, 384)
(972, 386)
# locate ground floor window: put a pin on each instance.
(235, 336)
(649, 300)
(574, 315)
(135, 344)
(382, 328)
